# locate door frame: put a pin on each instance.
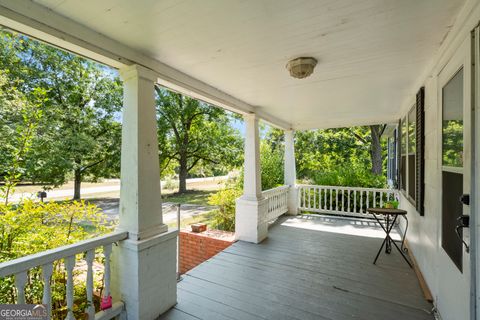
(460, 58)
(475, 174)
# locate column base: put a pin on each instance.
(292, 201)
(249, 220)
(144, 275)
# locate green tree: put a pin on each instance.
(19, 118)
(342, 156)
(79, 134)
(271, 162)
(192, 133)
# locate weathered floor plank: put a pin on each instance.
(304, 272)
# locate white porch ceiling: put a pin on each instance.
(370, 52)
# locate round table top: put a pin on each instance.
(387, 211)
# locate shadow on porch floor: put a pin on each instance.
(310, 267)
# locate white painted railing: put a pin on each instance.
(20, 267)
(277, 202)
(350, 201)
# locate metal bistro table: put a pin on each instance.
(387, 225)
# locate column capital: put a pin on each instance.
(250, 116)
(137, 71)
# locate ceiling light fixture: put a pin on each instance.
(302, 67)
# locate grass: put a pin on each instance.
(186, 222)
(198, 197)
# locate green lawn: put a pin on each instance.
(186, 222)
(199, 197)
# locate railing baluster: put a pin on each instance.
(361, 201)
(355, 201)
(336, 199)
(69, 265)
(107, 250)
(342, 200)
(348, 205)
(309, 196)
(331, 202)
(47, 270)
(303, 199)
(20, 282)
(368, 200)
(90, 310)
(46, 261)
(324, 196)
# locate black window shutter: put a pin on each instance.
(420, 152)
(398, 155)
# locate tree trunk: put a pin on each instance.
(376, 149)
(77, 184)
(182, 175)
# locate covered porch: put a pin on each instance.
(309, 267)
(373, 57)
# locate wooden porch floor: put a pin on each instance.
(308, 268)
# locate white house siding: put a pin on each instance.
(424, 233)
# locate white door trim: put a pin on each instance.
(475, 190)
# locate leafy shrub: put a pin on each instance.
(348, 176)
(271, 161)
(32, 227)
(223, 218)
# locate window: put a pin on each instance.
(392, 174)
(412, 163)
(411, 152)
(452, 165)
(403, 154)
(452, 122)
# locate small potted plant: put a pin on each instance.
(391, 204)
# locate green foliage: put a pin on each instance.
(339, 157)
(353, 175)
(195, 137)
(223, 218)
(32, 227)
(79, 102)
(271, 160)
(392, 204)
(452, 143)
(19, 118)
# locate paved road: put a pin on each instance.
(169, 209)
(101, 189)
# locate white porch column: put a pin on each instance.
(144, 265)
(290, 172)
(251, 206)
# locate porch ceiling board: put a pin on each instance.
(369, 51)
